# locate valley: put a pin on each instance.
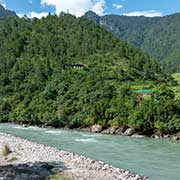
(157, 36)
(92, 97)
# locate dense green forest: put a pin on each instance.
(158, 36)
(67, 71)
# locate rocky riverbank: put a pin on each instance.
(127, 131)
(31, 161)
(120, 130)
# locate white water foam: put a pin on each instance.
(91, 135)
(86, 140)
(34, 127)
(19, 127)
(54, 132)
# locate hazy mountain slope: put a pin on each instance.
(4, 13)
(158, 36)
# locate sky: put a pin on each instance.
(39, 8)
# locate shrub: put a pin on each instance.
(6, 150)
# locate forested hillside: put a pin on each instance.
(67, 71)
(158, 36)
(4, 13)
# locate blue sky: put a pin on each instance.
(40, 8)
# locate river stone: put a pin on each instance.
(166, 136)
(106, 131)
(25, 125)
(111, 130)
(121, 129)
(36, 160)
(96, 128)
(175, 138)
(129, 132)
(86, 129)
(155, 136)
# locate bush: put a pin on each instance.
(6, 150)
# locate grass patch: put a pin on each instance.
(13, 159)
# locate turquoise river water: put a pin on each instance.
(157, 159)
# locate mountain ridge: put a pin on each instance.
(158, 36)
(5, 13)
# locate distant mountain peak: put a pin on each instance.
(92, 16)
(158, 36)
(5, 13)
(91, 13)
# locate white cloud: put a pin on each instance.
(118, 6)
(76, 7)
(37, 15)
(20, 15)
(150, 13)
(34, 14)
(3, 4)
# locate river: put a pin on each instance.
(157, 159)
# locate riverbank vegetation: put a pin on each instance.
(176, 88)
(68, 72)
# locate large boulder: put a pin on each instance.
(166, 136)
(175, 138)
(96, 128)
(121, 129)
(129, 132)
(111, 130)
(106, 131)
(155, 136)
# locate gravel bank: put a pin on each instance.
(29, 160)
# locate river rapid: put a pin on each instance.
(157, 159)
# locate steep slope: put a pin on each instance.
(4, 13)
(67, 71)
(158, 36)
